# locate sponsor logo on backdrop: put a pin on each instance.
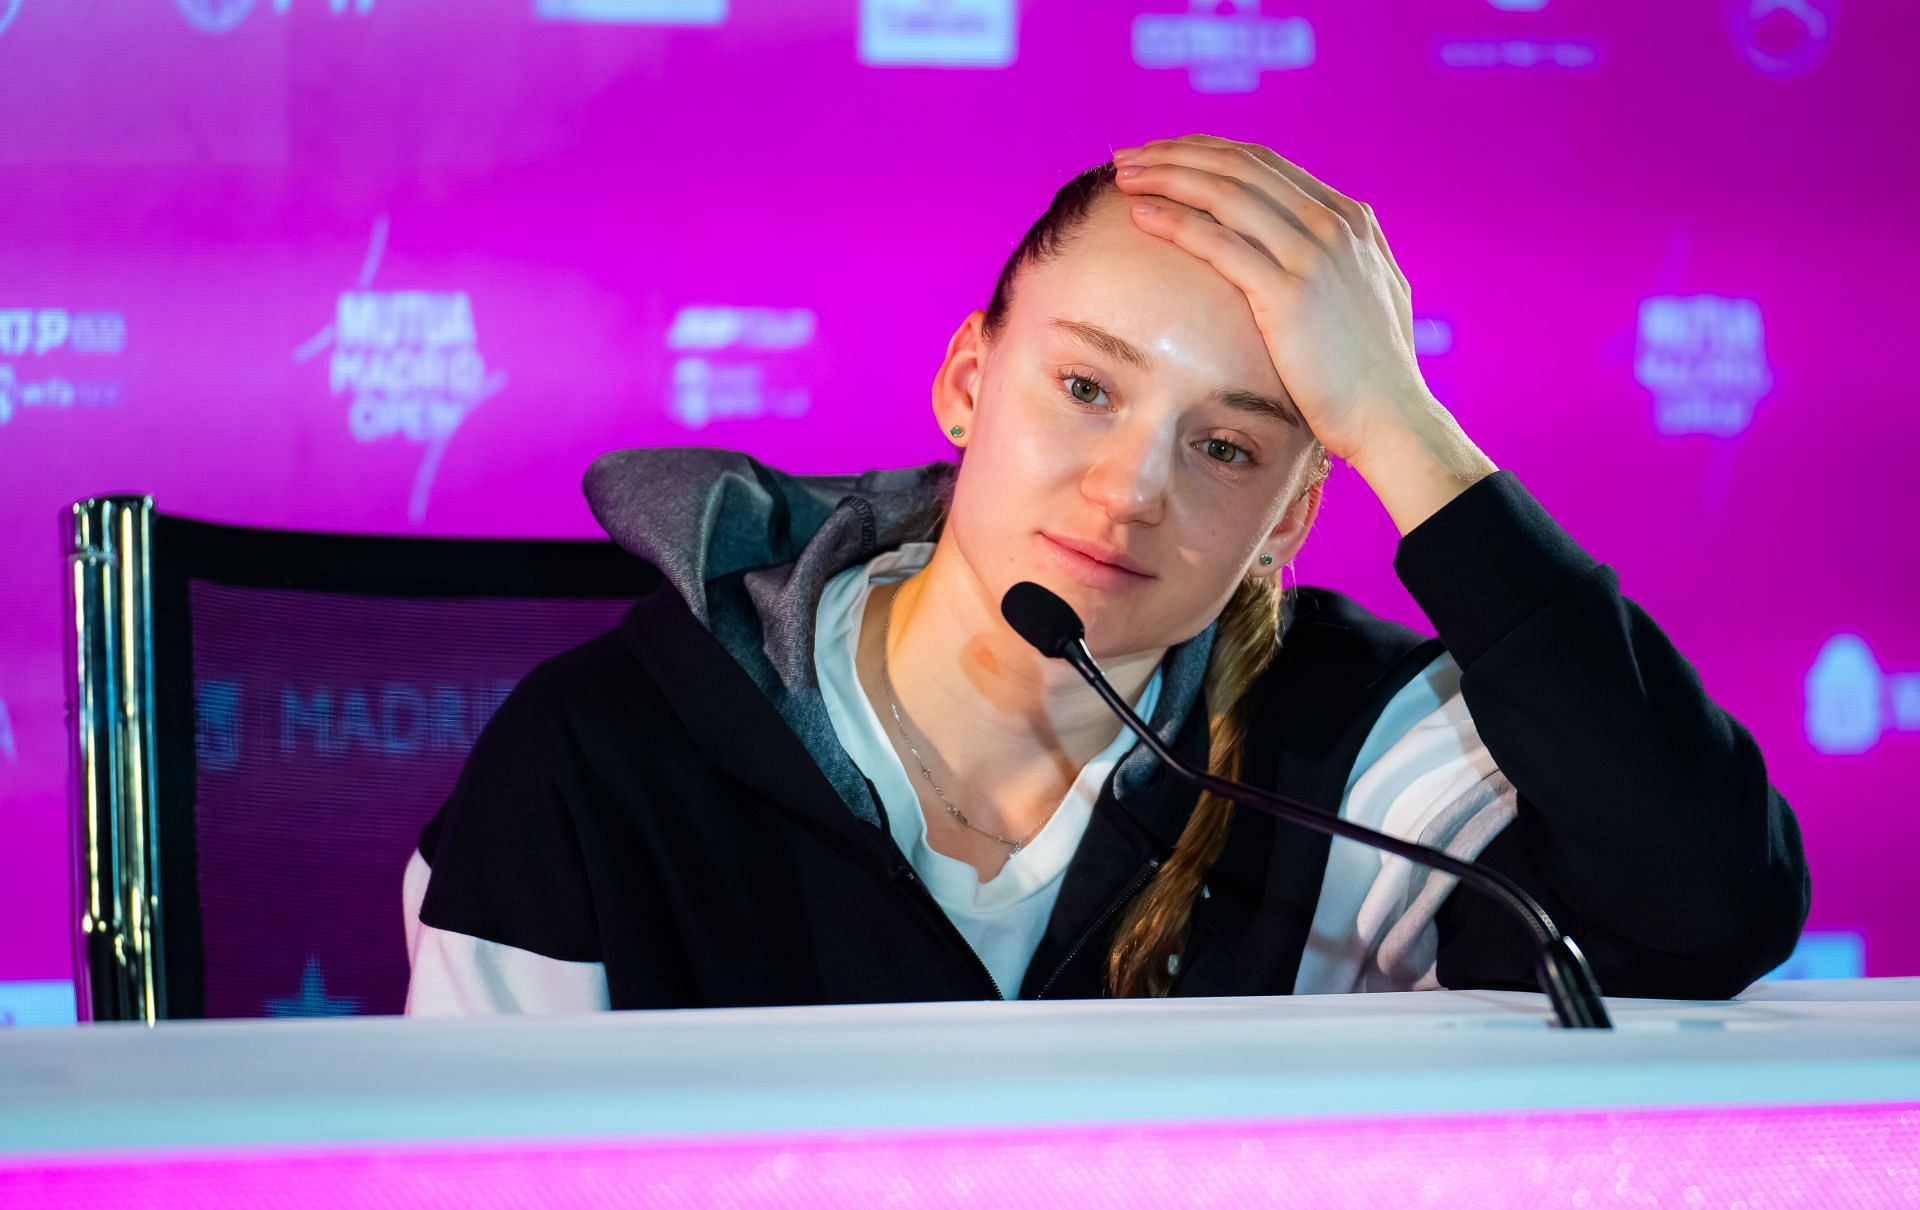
(312, 999)
(736, 363)
(1517, 54)
(1432, 337)
(48, 357)
(632, 12)
(214, 16)
(938, 33)
(392, 719)
(37, 1002)
(1704, 357)
(44, 331)
(216, 724)
(1222, 46)
(1783, 39)
(396, 719)
(1507, 53)
(406, 364)
(8, 749)
(220, 16)
(1824, 955)
(1852, 702)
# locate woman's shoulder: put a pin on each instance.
(581, 681)
(1328, 633)
(582, 701)
(577, 719)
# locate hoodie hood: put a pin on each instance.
(750, 549)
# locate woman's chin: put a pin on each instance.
(1117, 634)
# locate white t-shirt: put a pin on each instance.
(1004, 917)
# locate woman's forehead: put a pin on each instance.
(1151, 333)
(1150, 293)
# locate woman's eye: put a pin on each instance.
(1221, 450)
(1084, 389)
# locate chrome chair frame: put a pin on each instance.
(110, 673)
(134, 771)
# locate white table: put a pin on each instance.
(984, 1103)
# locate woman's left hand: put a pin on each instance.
(1334, 308)
(1335, 311)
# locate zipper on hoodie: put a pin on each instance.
(901, 870)
(905, 873)
(1133, 888)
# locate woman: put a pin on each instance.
(813, 765)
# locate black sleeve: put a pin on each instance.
(1646, 823)
(504, 850)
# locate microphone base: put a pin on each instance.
(1569, 983)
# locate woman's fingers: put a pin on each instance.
(1308, 203)
(1243, 203)
(1232, 254)
(1359, 215)
(1207, 173)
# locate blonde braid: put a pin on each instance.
(1156, 924)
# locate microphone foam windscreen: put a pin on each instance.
(1041, 618)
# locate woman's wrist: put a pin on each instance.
(1420, 463)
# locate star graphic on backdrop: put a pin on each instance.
(312, 1000)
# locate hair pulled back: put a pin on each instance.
(1143, 960)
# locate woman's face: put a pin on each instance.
(1128, 411)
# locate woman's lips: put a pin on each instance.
(1087, 568)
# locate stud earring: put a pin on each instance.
(955, 431)
(1266, 560)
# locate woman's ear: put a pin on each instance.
(956, 386)
(1289, 533)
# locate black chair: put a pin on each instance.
(262, 722)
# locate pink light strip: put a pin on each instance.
(1753, 1158)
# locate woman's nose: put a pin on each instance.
(1127, 476)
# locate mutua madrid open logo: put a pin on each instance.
(407, 363)
(1704, 358)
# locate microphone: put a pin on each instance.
(1050, 624)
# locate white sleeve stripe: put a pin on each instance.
(458, 975)
(1423, 774)
(1406, 897)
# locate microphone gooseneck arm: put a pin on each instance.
(1562, 970)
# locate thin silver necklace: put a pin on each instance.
(886, 681)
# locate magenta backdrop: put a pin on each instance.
(400, 267)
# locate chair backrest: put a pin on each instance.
(263, 722)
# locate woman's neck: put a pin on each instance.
(1003, 729)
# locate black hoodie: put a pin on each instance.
(664, 817)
